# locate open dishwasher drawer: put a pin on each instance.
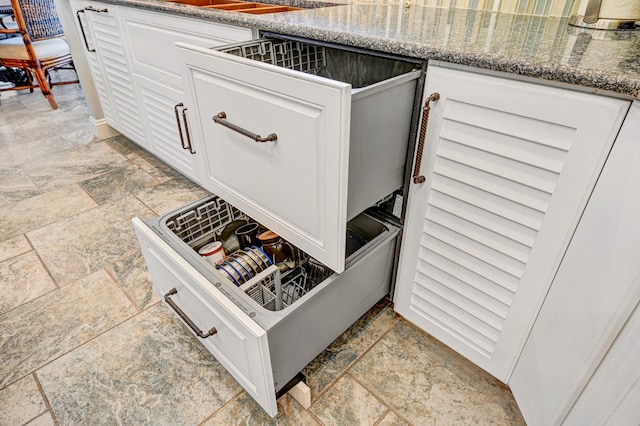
(267, 327)
(301, 137)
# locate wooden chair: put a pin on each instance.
(40, 47)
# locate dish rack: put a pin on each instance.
(274, 290)
(292, 55)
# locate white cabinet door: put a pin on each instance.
(93, 61)
(164, 117)
(509, 166)
(115, 74)
(593, 294)
(612, 396)
(150, 40)
(296, 185)
(236, 341)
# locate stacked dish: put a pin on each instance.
(240, 266)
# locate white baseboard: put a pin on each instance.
(103, 130)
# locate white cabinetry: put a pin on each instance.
(109, 63)
(509, 167)
(612, 396)
(265, 331)
(133, 62)
(592, 296)
(299, 152)
(98, 78)
(238, 342)
(294, 184)
(151, 37)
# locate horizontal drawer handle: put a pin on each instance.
(220, 118)
(93, 9)
(185, 318)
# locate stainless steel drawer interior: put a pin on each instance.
(270, 294)
(326, 301)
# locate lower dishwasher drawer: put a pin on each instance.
(265, 329)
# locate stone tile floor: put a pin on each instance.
(84, 340)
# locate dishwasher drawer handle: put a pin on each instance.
(221, 118)
(417, 177)
(185, 318)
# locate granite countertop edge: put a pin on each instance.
(610, 82)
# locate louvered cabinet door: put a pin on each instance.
(84, 27)
(115, 71)
(509, 167)
(166, 131)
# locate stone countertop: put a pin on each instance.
(539, 47)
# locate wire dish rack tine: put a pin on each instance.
(278, 287)
(280, 49)
(250, 269)
(182, 222)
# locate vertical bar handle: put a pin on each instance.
(84, 35)
(186, 130)
(592, 11)
(186, 145)
(185, 318)
(417, 177)
(175, 110)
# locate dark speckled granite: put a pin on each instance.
(540, 47)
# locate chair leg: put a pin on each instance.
(29, 74)
(44, 87)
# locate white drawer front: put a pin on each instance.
(152, 37)
(239, 344)
(296, 185)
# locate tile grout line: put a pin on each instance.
(387, 411)
(19, 254)
(74, 348)
(212, 415)
(399, 319)
(87, 192)
(122, 289)
(351, 364)
(44, 265)
(61, 286)
(379, 398)
(347, 372)
(58, 219)
(349, 368)
(313, 415)
(21, 167)
(46, 400)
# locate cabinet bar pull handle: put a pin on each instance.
(592, 11)
(185, 318)
(186, 131)
(84, 36)
(175, 110)
(417, 177)
(220, 118)
(93, 9)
